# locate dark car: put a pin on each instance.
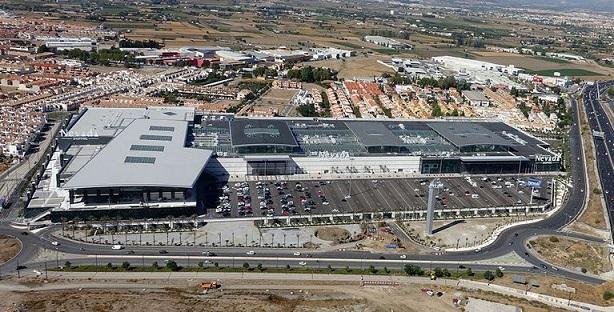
(163, 251)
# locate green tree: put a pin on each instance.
(155, 265)
(397, 79)
(125, 265)
(42, 49)
(245, 265)
(498, 273)
(307, 110)
(172, 266)
(611, 91)
(438, 272)
(413, 270)
(469, 272)
(67, 265)
(489, 276)
(436, 110)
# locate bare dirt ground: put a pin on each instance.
(355, 67)
(274, 100)
(330, 298)
(5, 163)
(583, 292)
(455, 234)
(9, 247)
(250, 295)
(333, 233)
(573, 254)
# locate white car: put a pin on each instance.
(54, 243)
(250, 253)
(297, 253)
(501, 268)
(403, 257)
(303, 263)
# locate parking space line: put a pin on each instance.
(407, 205)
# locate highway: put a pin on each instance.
(604, 147)
(513, 239)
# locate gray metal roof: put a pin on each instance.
(475, 96)
(466, 134)
(374, 133)
(253, 132)
(118, 165)
(96, 121)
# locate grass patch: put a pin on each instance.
(58, 116)
(565, 72)
(388, 51)
(348, 44)
(551, 59)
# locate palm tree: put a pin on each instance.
(75, 221)
(63, 220)
(169, 227)
(89, 227)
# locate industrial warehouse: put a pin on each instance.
(160, 161)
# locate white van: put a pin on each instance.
(475, 196)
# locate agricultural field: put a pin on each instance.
(355, 67)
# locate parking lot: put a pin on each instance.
(304, 198)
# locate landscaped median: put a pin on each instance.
(172, 266)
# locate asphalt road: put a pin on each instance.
(604, 147)
(514, 239)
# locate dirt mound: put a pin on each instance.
(9, 247)
(333, 233)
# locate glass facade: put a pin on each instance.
(270, 167)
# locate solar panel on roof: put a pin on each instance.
(147, 148)
(139, 160)
(156, 137)
(161, 128)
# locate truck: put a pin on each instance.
(210, 285)
(117, 247)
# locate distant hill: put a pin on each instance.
(598, 5)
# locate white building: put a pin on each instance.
(385, 42)
(61, 43)
(476, 98)
(330, 53)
